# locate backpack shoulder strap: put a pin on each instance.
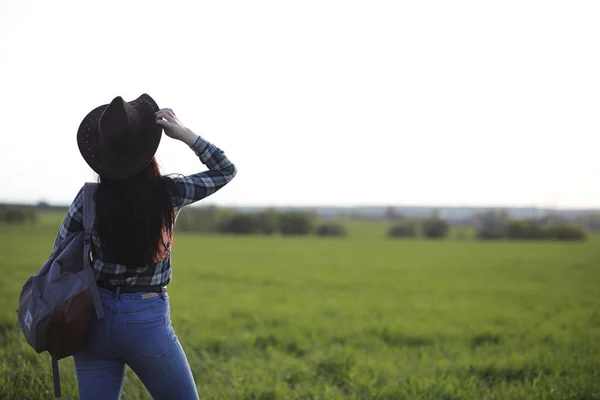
(56, 378)
(89, 217)
(89, 206)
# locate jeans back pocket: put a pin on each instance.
(150, 338)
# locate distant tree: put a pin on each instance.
(295, 223)
(267, 221)
(392, 215)
(491, 224)
(435, 227)
(43, 204)
(531, 229)
(241, 224)
(564, 232)
(524, 229)
(331, 229)
(405, 230)
(16, 215)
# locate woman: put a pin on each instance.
(135, 211)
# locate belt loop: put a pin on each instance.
(117, 293)
(163, 292)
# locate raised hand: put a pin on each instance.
(173, 126)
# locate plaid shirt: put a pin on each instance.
(188, 190)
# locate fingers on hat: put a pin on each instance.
(164, 111)
(163, 123)
(165, 115)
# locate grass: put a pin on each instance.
(357, 318)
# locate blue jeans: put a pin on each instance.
(136, 331)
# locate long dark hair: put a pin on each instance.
(135, 217)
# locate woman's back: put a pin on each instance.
(121, 228)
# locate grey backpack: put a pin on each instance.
(56, 304)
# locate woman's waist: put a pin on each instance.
(124, 302)
(124, 288)
(151, 278)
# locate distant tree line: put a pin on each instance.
(15, 215)
(433, 227)
(493, 225)
(268, 222)
(488, 225)
(497, 225)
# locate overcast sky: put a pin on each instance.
(318, 102)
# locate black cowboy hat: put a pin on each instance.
(118, 140)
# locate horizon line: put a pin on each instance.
(355, 206)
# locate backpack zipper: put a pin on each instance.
(24, 299)
(21, 305)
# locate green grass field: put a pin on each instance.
(357, 318)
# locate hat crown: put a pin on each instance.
(118, 120)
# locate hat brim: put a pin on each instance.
(120, 165)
